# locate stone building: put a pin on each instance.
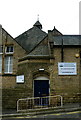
(36, 58)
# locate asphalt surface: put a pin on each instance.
(72, 111)
(67, 106)
(58, 116)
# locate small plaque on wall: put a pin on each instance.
(20, 79)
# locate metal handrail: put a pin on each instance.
(38, 98)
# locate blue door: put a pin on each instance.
(41, 89)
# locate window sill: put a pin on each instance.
(11, 53)
(7, 74)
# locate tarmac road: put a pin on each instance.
(76, 115)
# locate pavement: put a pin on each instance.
(66, 108)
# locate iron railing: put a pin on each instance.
(39, 102)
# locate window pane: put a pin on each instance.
(11, 60)
(11, 64)
(6, 68)
(10, 68)
(6, 60)
(9, 49)
(8, 64)
(0, 64)
(1, 49)
(0, 59)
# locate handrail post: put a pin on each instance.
(41, 101)
(17, 105)
(61, 101)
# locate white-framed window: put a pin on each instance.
(9, 64)
(0, 63)
(9, 50)
(1, 49)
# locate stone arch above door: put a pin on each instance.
(38, 74)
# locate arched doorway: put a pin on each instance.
(41, 86)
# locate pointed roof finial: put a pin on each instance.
(38, 17)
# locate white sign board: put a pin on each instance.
(67, 68)
(20, 79)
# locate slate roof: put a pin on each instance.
(34, 42)
(56, 32)
(29, 39)
(73, 40)
(40, 50)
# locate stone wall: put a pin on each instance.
(67, 86)
(9, 93)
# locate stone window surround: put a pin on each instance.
(9, 49)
